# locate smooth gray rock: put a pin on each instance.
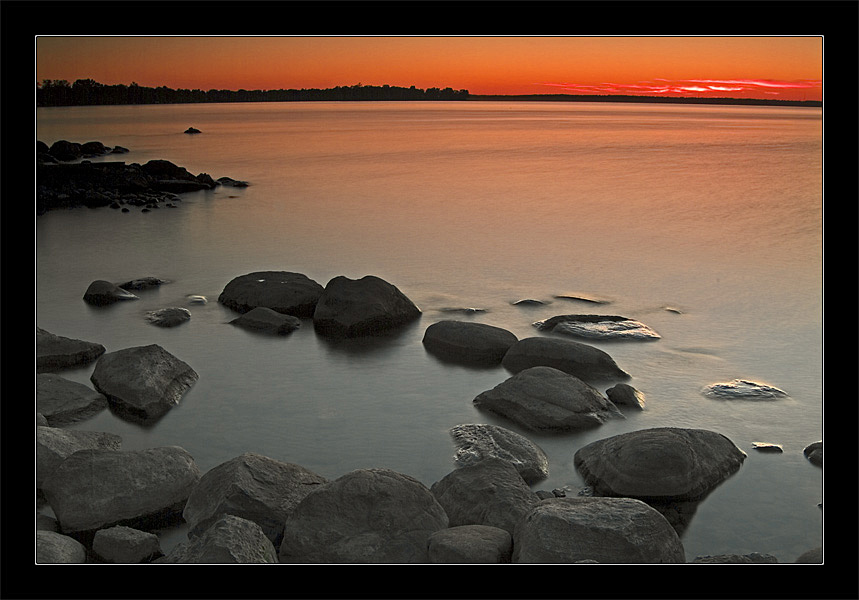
(54, 445)
(659, 463)
(623, 394)
(814, 453)
(121, 544)
(470, 544)
(266, 320)
(103, 293)
(742, 389)
(282, 291)
(585, 362)
(546, 399)
(604, 530)
(366, 516)
(490, 492)
(62, 401)
(359, 307)
(168, 317)
(229, 540)
(466, 342)
(94, 489)
(142, 382)
(476, 442)
(251, 486)
(607, 327)
(55, 352)
(54, 548)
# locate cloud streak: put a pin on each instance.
(692, 86)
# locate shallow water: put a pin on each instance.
(715, 212)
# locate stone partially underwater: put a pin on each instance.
(742, 389)
(598, 327)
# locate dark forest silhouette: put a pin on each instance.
(87, 92)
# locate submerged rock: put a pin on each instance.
(468, 342)
(585, 362)
(767, 447)
(102, 293)
(741, 389)
(623, 394)
(168, 317)
(144, 283)
(282, 291)
(478, 442)
(265, 320)
(582, 297)
(55, 352)
(598, 327)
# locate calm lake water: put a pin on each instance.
(715, 211)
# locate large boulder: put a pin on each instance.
(366, 516)
(663, 463)
(54, 445)
(228, 540)
(282, 291)
(266, 320)
(585, 362)
(366, 306)
(55, 548)
(470, 544)
(462, 341)
(602, 530)
(102, 293)
(476, 442)
(251, 486)
(62, 401)
(65, 150)
(546, 399)
(55, 352)
(490, 492)
(121, 544)
(142, 382)
(144, 489)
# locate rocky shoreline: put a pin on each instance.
(642, 487)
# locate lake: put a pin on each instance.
(703, 222)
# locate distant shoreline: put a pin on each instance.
(643, 99)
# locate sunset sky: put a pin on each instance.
(783, 67)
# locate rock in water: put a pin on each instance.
(623, 394)
(282, 291)
(142, 382)
(63, 401)
(265, 320)
(366, 306)
(229, 540)
(741, 389)
(598, 327)
(168, 317)
(466, 342)
(585, 362)
(102, 293)
(478, 442)
(55, 352)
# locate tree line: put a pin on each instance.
(86, 92)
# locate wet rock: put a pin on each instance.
(598, 327)
(603, 530)
(54, 548)
(265, 320)
(470, 544)
(62, 401)
(741, 389)
(102, 293)
(528, 302)
(767, 447)
(359, 307)
(659, 463)
(142, 382)
(192, 130)
(585, 362)
(584, 297)
(97, 488)
(55, 352)
(282, 291)
(366, 516)
(734, 559)
(127, 545)
(251, 486)
(814, 453)
(478, 442)
(168, 317)
(623, 394)
(466, 342)
(490, 492)
(546, 399)
(230, 182)
(54, 445)
(196, 299)
(229, 540)
(143, 283)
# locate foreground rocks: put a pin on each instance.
(466, 342)
(54, 445)
(54, 548)
(470, 544)
(585, 362)
(228, 540)
(127, 545)
(62, 401)
(54, 352)
(281, 291)
(478, 442)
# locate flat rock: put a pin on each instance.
(546, 399)
(168, 317)
(97, 488)
(282, 291)
(103, 293)
(251, 486)
(476, 442)
(601, 530)
(142, 382)
(490, 492)
(266, 320)
(467, 342)
(54, 445)
(598, 327)
(360, 307)
(366, 516)
(470, 544)
(659, 463)
(62, 401)
(229, 540)
(585, 362)
(742, 389)
(143, 283)
(127, 545)
(768, 447)
(55, 548)
(55, 352)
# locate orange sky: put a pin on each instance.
(740, 67)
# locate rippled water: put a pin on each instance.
(702, 222)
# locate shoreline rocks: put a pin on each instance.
(62, 401)
(476, 442)
(55, 352)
